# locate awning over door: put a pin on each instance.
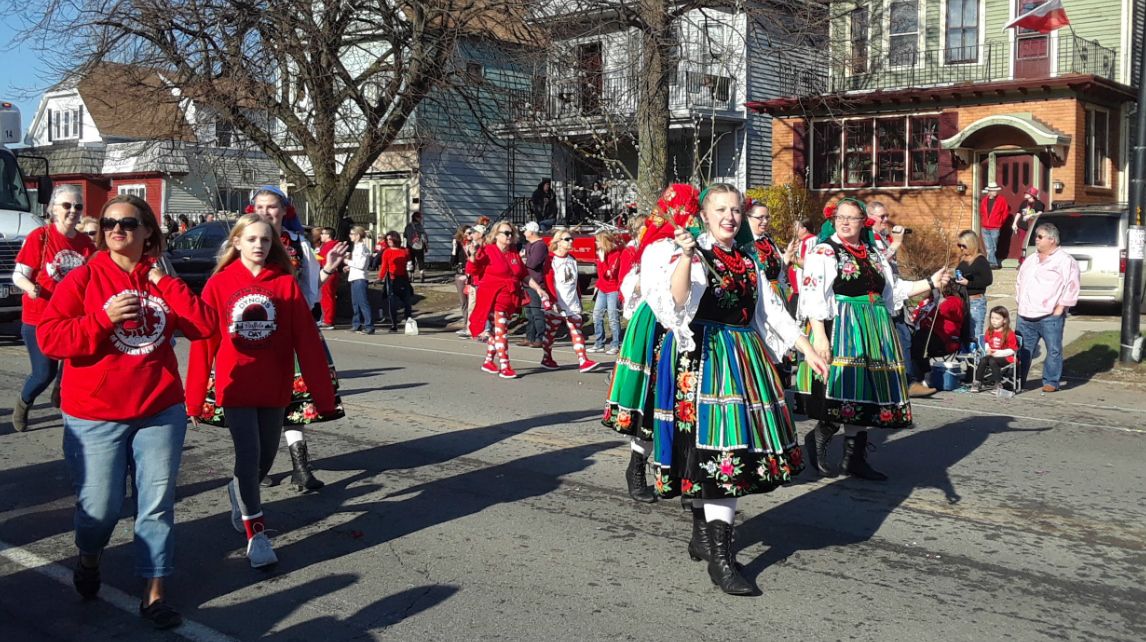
(1022, 129)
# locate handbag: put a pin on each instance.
(411, 326)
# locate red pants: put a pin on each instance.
(329, 289)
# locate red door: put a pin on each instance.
(1015, 174)
(1032, 49)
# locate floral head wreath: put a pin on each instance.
(829, 226)
(677, 207)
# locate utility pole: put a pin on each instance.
(1136, 233)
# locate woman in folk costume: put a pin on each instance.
(847, 296)
(721, 427)
(272, 204)
(759, 244)
(629, 407)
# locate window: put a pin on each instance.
(224, 133)
(64, 124)
(883, 152)
(826, 136)
(475, 72)
(139, 190)
(962, 32)
(903, 43)
(891, 143)
(715, 39)
(192, 239)
(858, 35)
(1097, 148)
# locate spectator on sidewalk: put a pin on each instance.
(536, 264)
(459, 256)
(1046, 288)
(939, 329)
(993, 213)
(543, 204)
(608, 293)
(362, 321)
(329, 288)
(1029, 212)
(395, 274)
(974, 274)
(416, 244)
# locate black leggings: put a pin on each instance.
(255, 433)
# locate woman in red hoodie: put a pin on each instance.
(499, 267)
(392, 271)
(263, 322)
(112, 320)
(608, 293)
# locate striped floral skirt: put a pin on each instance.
(867, 378)
(301, 410)
(628, 409)
(721, 427)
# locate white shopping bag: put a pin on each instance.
(411, 326)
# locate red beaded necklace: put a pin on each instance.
(858, 251)
(764, 248)
(729, 259)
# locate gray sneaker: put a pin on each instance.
(236, 514)
(259, 551)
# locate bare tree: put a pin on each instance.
(323, 88)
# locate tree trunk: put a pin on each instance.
(326, 201)
(653, 103)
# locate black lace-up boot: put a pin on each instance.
(635, 478)
(722, 568)
(855, 458)
(816, 447)
(302, 477)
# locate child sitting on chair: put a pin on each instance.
(1000, 346)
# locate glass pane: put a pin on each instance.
(890, 135)
(188, 241)
(1084, 230)
(892, 170)
(904, 17)
(925, 133)
(857, 154)
(924, 167)
(902, 50)
(826, 165)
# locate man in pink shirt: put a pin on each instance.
(1046, 288)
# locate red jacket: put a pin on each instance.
(995, 340)
(500, 274)
(392, 263)
(48, 256)
(609, 272)
(323, 251)
(994, 219)
(263, 322)
(626, 262)
(125, 371)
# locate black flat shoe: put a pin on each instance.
(86, 580)
(160, 614)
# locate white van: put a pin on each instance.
(17, 219)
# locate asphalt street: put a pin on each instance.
(462, 506)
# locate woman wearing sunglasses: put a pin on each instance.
(48, 254)
(974, 273)
(847, 295)
(561, 280)
(501, 272)
(122, 398)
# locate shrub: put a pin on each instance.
(785, 202)
(927, 249)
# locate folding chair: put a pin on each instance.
(1009, 373)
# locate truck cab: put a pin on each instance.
(17, 219)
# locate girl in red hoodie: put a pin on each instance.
(263, 322)
(122, 399)
(608, 293)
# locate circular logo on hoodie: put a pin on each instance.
(65, 261)
(143, 335)
(252, 316)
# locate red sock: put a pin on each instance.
(254, 525)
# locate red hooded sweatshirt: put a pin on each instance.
(263, 322)
(46, 258)
(119, 371)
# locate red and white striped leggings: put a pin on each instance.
(553, 321)
(498, 345)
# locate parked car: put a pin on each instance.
(193, 253)
(1095, 236)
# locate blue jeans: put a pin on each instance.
(978, 317)
(360, 301)
(904, 332)
(607, 301)
(98, 454)
(43, 369)
(535, 327)
(991, 243)
(1049, 329)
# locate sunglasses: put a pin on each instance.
(567, 239)
(508, 233)
(960, 246)
(1040, 236)
(79, 207)
(125, 224)
(92, 233)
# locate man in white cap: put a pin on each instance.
(536, 255)
(993, 214)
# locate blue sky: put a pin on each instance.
(23, 75)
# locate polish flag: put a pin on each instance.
(1044, 18)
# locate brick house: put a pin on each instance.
(921, 103)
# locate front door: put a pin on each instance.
(388, 201)
(1015, 174)
(1032, 49)
(590, 63)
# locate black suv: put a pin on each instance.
(193, 253)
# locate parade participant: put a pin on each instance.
(417, 242)
(764, 249)
(847, 294)
(629, 406)
(394, 273)
(362, 321)
(721, 427)
(458, 258)
(993, 213)
(803, 240)
(272, 204)
(112, 320)
(608, 299)
(47, 255)
(1046, 288)
(263, 324)
(329, 295)
(561, 282)
(999, 349)
(974, 273)
(498, 267)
